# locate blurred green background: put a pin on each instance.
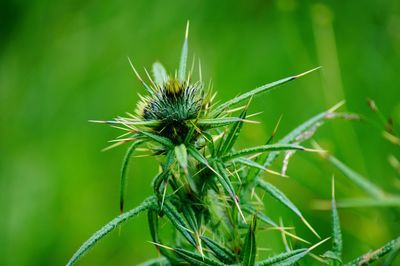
(65, 62)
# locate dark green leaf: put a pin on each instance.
(196, 259)
(249, 247)
(284, 259)
(232, 135)
(221, 252)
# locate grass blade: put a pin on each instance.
(249, 247)
(124, 169)
(337, 243)
(156, 262)
(358, 179)
(88, 244)
(281, 197)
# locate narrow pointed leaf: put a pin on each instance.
(218, 122)
(196, 259)
(264, 218)
(160, 74)
(284, 259)
(179, 223)
(232, 135)
(124, 170)
(262, 148)
(308, 126)
(250, 248)
(281, 197)
(222, 253)
(162, 140)
(265, 88)
(88, 244)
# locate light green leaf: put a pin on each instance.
(160, 74)
(181, 157)
(88, 244)
(184, 55)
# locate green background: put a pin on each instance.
(65, 62)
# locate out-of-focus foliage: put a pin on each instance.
(64, 62)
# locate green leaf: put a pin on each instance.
(309, 125)
(181, 156)
(196, 259)
(88, 244)
(288, 258)
(218, 122)
(156, 262)
(262, 148)
(197, 155)
(124, 170)
(224, 180)
(372, 256)
(184, 54)
(358, 179)
(160, 74)
(162, 140)
(337, 243)
(281, 197)
(265, 88)
(179, 222)
(222, 253)
(232, 135)
(250, 248)
(264, 218)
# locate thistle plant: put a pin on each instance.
(208, 190)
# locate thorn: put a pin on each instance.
(307, 72)
(319, 243)
(310, 227)
(139, 78)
